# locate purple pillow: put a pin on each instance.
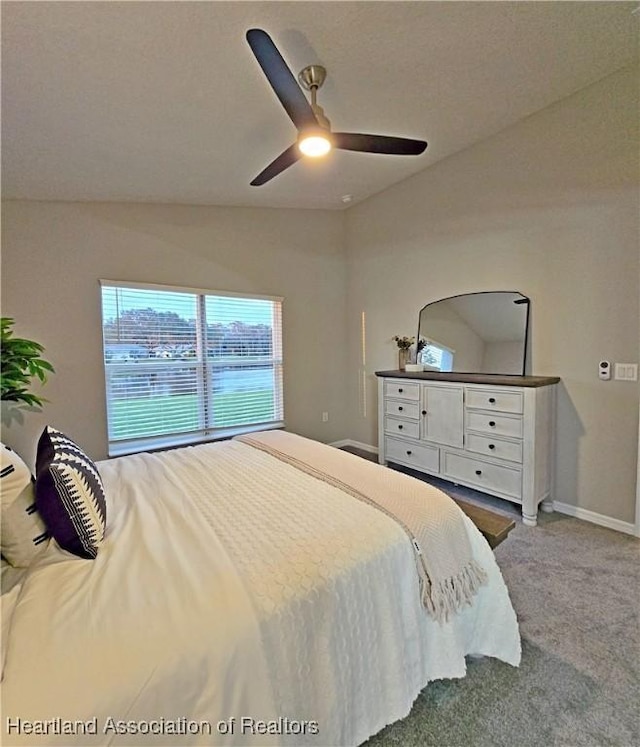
(69, 494)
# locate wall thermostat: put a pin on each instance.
(604, 370)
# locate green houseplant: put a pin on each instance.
(21, 363)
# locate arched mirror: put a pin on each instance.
(482, 332)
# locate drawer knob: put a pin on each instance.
(492, 400)
(424, 412)
(492, 446)
(401, 390)
(399, 427)
(478, 472)
(408, 453)
(492, 423)
(400, 409)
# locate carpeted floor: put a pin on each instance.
(576, 590)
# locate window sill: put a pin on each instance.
(174, 442)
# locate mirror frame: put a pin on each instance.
(524, 300)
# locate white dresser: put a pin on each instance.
(488, 432)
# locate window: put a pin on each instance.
(437, 356)
(185, 365)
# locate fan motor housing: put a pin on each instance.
(312, 76)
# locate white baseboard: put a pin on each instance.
(355, 444)
(594, 518)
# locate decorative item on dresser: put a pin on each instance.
(493, 433)
(404, 350)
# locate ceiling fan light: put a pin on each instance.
(314, 143)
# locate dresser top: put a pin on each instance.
(473, 378)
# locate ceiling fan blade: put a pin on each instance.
(281, 79)
(395, 146)
(282, 162)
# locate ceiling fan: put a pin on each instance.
(314, 129)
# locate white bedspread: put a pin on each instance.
(232, 585)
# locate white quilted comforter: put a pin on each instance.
(234, 595)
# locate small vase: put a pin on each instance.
(404, 357)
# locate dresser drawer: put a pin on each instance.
(488, 477)
(402, 409)
(419, 456)
(495, 447)
(402, 427)
(501, 401)
(399, 389)
(499, 425)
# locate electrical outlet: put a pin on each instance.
(626, 372)
(325, 417)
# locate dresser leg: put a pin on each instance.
(530, 520)
(547, 506)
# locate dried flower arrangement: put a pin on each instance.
(404, 343)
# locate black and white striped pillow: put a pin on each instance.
(24, 534)
(69, 494)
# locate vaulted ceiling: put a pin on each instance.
(164, 101)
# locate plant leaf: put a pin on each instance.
(20, 362)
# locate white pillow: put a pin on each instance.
(24, 535)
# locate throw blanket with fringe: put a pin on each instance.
(449, 576)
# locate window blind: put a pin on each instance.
(184, 365)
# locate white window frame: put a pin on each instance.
(204, 374)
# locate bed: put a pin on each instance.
(239, 598)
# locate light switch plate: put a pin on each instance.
(626, 372)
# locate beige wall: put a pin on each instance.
(54, 253)
(548, 207)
